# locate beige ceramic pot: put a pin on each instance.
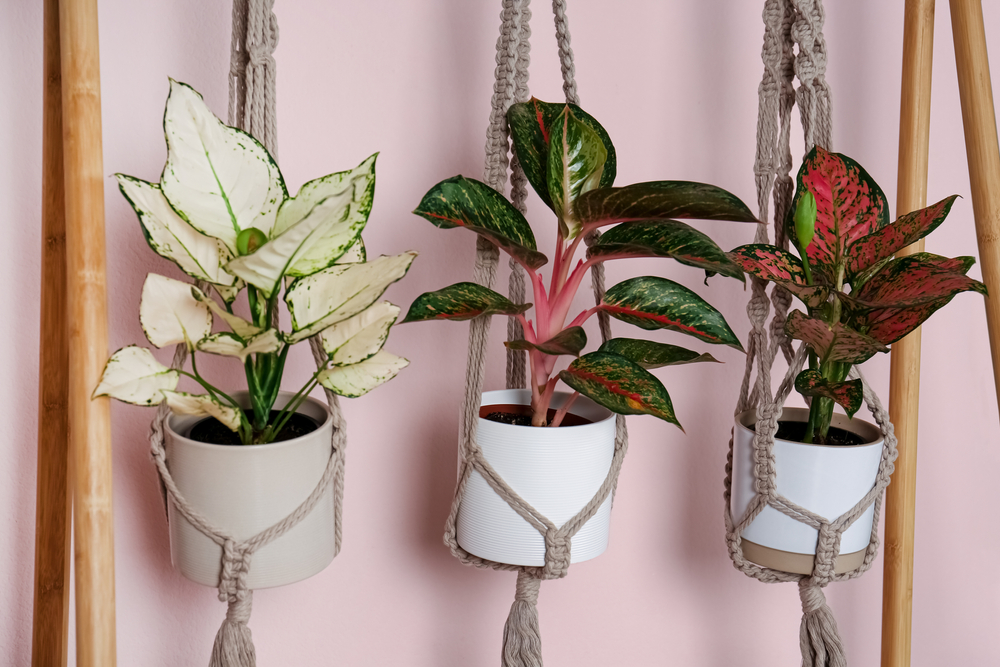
(246, 489)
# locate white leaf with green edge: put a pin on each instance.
(360, 183)
(240, 326)
(229, 294)
(230, 345)
(340, 292)
(265, 267)
(198, 405)
(133, 375)
(356, 253)
(359, 337)
(359, 379)
(218, 178)
(169, 313)
(171, 237)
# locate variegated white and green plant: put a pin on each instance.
(222, 214)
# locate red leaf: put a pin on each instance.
(849, 205)
(840, 343)
(773, 264)
(907, 291)
(868, 251)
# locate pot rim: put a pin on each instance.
(243, 398)
(559, 398)
(865, 429)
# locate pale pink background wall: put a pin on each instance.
(675, 84)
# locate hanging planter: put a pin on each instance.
(265, 509)
(825, 480)
(510, 510)
(804, 506)
(244, 490)
(558, 471)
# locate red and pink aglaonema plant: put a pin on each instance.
(859, 299)
(571, 163)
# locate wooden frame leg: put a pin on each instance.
(979, 118)
(89, 420)
(50, 622)
(904, 379)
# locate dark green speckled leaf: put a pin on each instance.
(660, 200)
(568, 341)
(849, 395)
(530, 128)
(657, 303)
(576, 163)
(650, 354)
(665, 238)
(466, 202)
(461, 301)
(620, 385)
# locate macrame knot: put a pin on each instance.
(819, 640)
(827, 549)
(557, 554)
(235, 569)
(811, 595)
(527, 588)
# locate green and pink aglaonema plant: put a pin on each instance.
(222, 214)
(859, 299)
(570, 162)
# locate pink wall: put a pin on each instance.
(675, 84)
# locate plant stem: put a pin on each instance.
(561, 412)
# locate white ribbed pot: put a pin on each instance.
(556, 470)
(245, 489)
(827, 480)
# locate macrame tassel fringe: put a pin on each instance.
(818, 637)
(522, 641)
(234, 644)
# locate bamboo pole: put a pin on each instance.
(979, 118)
(50, 622)
(89, 420)
(904, 378)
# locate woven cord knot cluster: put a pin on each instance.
(789, 24)
(522, 643)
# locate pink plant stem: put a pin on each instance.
(561, 412)
(529, 331)
(583, 317)
(540, 410)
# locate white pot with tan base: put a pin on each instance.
(244, 489)
(827, 480)
(556, 470)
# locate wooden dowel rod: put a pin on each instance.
(979, 118)
(904, 377)
(89, 420)
(50, 614)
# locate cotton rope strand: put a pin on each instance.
(252, 108)
(791, 23)
(522, 641)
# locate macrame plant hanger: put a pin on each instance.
(790, 24)
(252, 109)
(522, 645)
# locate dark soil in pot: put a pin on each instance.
(795, 431)
(520, 415)
(214, 432)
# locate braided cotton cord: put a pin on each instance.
(787, 24)
(252, 108)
